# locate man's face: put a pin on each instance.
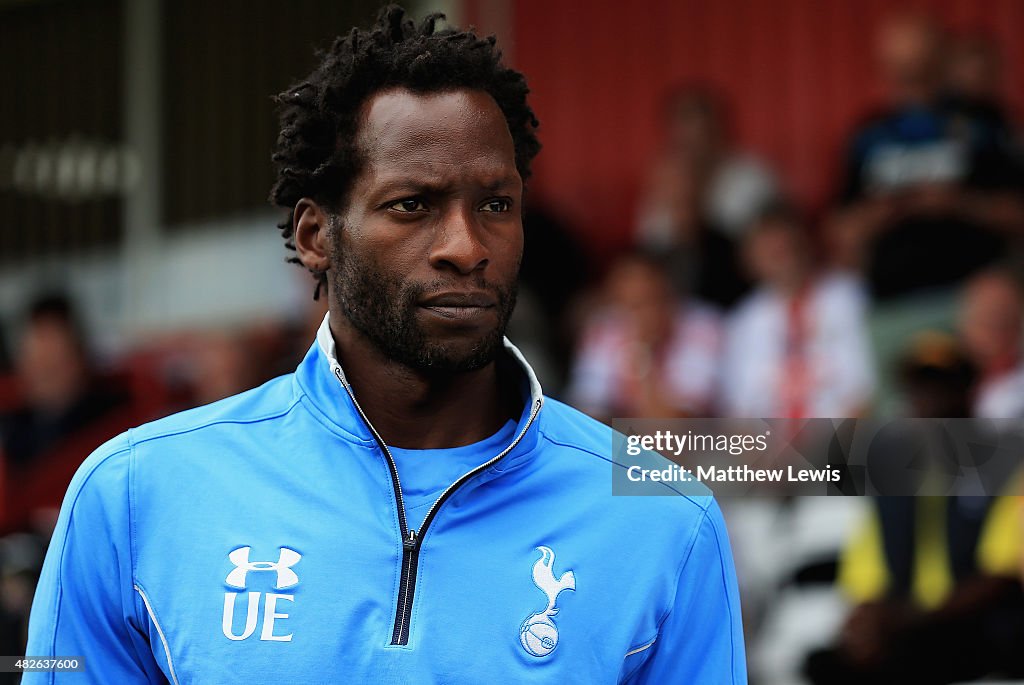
(425, 255)
(908, 51)
(50, 364)
(643, 295)
(774, 253)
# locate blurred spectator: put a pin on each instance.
(224, 365)
(990, 321)
(973, 70)
(58, 398)
(928, 170)
(972, 89)
(60, 393)
(646, 352)
(697, 186)
(701, 262)
(730, 186)
(939, 597)
(797, 346)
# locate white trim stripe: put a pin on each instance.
(536, 392)
(160, 632)
(640, 649)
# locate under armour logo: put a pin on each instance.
(538, 633)
(286, 577)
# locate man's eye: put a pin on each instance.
(498, 205)
(409, 205)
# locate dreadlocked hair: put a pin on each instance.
(316, 155)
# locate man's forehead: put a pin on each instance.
(442, 176)
(432, 130)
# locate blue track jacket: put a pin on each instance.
(262, 539)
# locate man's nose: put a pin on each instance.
(458, 242)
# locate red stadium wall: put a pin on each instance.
(797, 73)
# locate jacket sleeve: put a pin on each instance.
(701, 638)
(85, 603)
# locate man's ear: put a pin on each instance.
(311, 223)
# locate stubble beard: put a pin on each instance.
(383, 309)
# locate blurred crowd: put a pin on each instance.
(903, 297)
(61, 400)
(735, 302)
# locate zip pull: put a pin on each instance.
(410, 542)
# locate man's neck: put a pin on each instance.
(414, 410)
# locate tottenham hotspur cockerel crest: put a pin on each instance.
(538, 634)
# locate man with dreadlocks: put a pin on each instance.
(407, 507)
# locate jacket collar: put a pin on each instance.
(322, 379)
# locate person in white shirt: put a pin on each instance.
(797, 346)
(646, 352)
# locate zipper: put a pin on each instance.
(411, 540)
(406, 588)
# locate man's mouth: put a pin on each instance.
(459, 305)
